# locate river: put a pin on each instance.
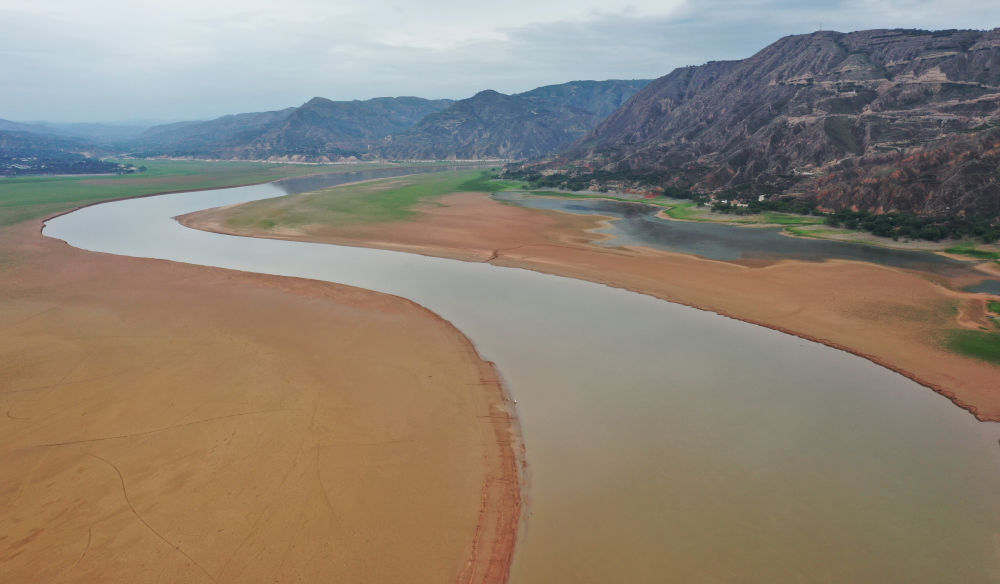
(664, 444)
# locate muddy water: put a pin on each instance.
(637, 224)
(664, 444)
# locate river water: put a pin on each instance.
(664, 444)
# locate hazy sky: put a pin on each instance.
(105, 60)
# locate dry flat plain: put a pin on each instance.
(894, 317)
(174, 423)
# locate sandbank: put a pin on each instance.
(894, 317)
(179, 423)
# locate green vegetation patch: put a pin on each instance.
(909, 226)
(378, 201)
(484, 182)
(787, 219)
(993, 306)
(970, 249)
(689, 211)
(25, 198)
(978, 344)
(684, 212)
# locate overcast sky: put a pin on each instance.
(109, 60)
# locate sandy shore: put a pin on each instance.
(167, 422)
(893, 317)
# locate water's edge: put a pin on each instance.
(536, 570)
(495, 530)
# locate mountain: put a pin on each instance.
(487, 125)
(26, 128)
(93, 134)
(100, 133)
(880, 120)
(207, 138)
(336, 128)
(319, 130)
(600, 98)
(524, 125)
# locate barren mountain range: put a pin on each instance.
(877, 120)
(488, 125)
(319, 130)
(524, 125)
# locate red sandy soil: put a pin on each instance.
(178, 423)
(893, 317)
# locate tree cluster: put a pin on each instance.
(583, 181)
(909, 226)
(795, 206)
(894, 225)
(60, 163)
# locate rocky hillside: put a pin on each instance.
(206, 138)
(487, 125)
(879, 120)
(320, 129)
(524, 125)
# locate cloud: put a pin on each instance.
(109, 59)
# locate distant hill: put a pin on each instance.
(25, 153)
(105, 134)
(25, 128)
(524, 125)
(879, 120)
(487, 125)
(206, 138)
(320, 129)
(87, 133)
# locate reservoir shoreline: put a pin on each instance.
(564, 250)
(568, 383)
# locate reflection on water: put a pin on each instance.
(664, 444)
(637, 224)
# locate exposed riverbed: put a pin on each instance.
(664, 443)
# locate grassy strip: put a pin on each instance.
(574, 195)
(775, 218)
(684, 212)
(25, 198)
(993, 306)
(483, 183)
(689, 211)
(378, 201)
(969, 249)
(978, 344)
(824, 234)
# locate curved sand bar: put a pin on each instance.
(171, 422)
